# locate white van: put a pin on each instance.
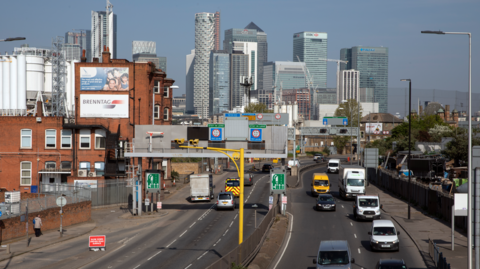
(367, 207)
(384, 236)
(333, 166)
(334, 254)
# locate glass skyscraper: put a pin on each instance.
(262, 52)
(238, 67)
(219, 82)
(245, 35)
(309, 47)
(79, 40)
(372, 62)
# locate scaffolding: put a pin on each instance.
(59, 75)
(302, 97)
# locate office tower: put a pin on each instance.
(366, 95)
(204, 43)
(146, 51)
(217, 30)
(349, 85)
(190, 62)
(285, 75)
(162, 63)
(372, 63)
(249, 48)
(262, 53)
(148, 47)
(326, 96)
(78, 40)
(238, 67)
(104, 32)
(219, 82)
(309, 47)
(244, 35)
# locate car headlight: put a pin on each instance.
(374, 241)
(360, 211)
(377, 211)
(396, 241)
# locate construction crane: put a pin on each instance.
(310, 86)
(338, 70)
(277, 97)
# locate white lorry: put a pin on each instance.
(201, 187)
(351, 181)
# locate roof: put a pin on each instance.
(367, 196)
(390, 261)
(334, 160)
(253, 26)
(333, 245)
(377, 223)
(432, 108)
(380, 117)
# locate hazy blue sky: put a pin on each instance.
(431, 61)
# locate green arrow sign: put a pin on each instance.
(216, 125)
(153, 181)
(262, 126)
(278, 182)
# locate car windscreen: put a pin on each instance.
(333, 164)
(384, 231)
(321, 183)
(224, 197)
(325, 198)
(392, 266)
(233, 183)
(355, 182)
(368, 202)
(333, 257)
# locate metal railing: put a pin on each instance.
(437, 256)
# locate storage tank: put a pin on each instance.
(275, 108)
(290, 114)
(283, 108)
(35, 73)
(13, 82)
(295, 111)
(70, 85)
(1, 82)
(48, 77)
(6, 82)
(22, 82)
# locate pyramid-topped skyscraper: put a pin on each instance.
(262, 49)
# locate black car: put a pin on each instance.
(267, 167)
(391, 264)
(325, 202)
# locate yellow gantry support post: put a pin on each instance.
(242, 179)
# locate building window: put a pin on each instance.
(156, 112)
(26, 139)
(85, 165)
(66, 165)
(66, 140)
(50, 139)
(165, 113)
(50, 165)
(166, 92)
(85, 139)
(25, 173)
(99, 139)
(99, 168)
(156, 88)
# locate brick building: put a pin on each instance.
(90, 144)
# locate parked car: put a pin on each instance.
(267, 167)
(225, 200)
(325, 202)
(318, 157)
(247, 179)
(384, 236)
(391, 264)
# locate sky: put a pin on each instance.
(431, 61)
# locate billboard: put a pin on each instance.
(373, 128)
(103, 106)
(85, 183)
(104, 79)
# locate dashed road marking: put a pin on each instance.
(351, 224)
(202, 255)
(358, 251)
(171, 243)
(182, 234)
(191, 265)
(217, 242)
(355, 235)
(137, 266)
(343, 207)
(225, 232)
(236, 216)
(154, 255)
(192, 224)
(231, 224)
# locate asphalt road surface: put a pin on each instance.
(310, 227)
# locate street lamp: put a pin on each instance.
(409, 138)
(469, 227)
(12, 39)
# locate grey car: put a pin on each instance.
(247, 179)
(226, 200)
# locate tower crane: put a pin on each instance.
(338, 71)
(310, 87)
(277, 96)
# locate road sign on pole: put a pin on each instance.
(61, 201)
(153, 181)
(277, 181)
(216, 134)
(256, 134)
(96, 242)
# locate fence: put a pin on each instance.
(101, 194)
(437, 256)
(243, 254)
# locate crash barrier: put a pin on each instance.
(100, 193)
(437, 203)
(244, 253)
(437, 256)
(302, 169)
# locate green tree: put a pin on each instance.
(457, 148)
(420, 127)
(257, 108)
(350, 109)
(340, 141)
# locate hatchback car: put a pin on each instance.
(391, 264)
(384, 236)
(225, 200)
(267, 167)
(325, 202)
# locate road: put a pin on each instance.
(310, 227)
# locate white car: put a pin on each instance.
(384, 236)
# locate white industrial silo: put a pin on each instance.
(21, 82)
(6, 82)
(290, 114)
(35, 73)
(13, 82)
(295, 111)
(48, 77)
(1, 83)
(70, 85)
(275, 108)
(283, 108)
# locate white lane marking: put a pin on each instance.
(191, 265)
(217, 242)
(171, 243)
(343, 207)
(182, 234)
(225, 232)
(231, 224)
(236, 216)
(192, 224)
(154, 255)
(351, 224)
(202, 255)
(355, 235)
(358, 251)
(288, 241)
(137, 266)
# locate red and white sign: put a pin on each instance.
(216, 132)
(386, 132)
(97, 241)
(315, 34)
(284, 200)
(278, 116)
(255, 133)
(159, 205)
(259, 116)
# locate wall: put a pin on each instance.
(186, 168)
(74, 213)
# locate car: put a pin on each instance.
(384, 236)
(333, 166)
(225, 200)
(293, 163)
(247, 179)
(334, 254)
(267, 167)
(391, 264)
(325, 202)
(318, 157)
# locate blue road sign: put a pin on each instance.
(325, 121)
(232, 115)
(249, 114)
(256, 134)
(216, 134)
(0, 213)
(345, 121)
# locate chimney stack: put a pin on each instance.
(83, 59)
(447, 113)
(105, 55)
(39, 109)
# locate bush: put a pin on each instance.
(174, 174)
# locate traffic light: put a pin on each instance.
(194, 142)
(343, 131)
(323, 131)
(180, 141)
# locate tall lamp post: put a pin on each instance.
(469, 226)
(409, 138)
(12, 39)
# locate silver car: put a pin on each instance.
(226, 200)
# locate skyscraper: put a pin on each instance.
(284, 75)
(204, 43)
(190, 62)
(219, 81)
(249, 48)
(372, 63)
(244, 35)
(146, 51)
(104, 32)
(217, 30)
(262, 53)
(309, 47)
(349, 85)
(238, 67)
(78, 40)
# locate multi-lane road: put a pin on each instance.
(310, 227)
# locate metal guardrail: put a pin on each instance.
(437, 256)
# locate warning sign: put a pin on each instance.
(96, 241)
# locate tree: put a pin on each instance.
(350, 109)
(340, 141)
(457, 149)
(423, 123)
(257, 108)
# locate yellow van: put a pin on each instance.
(320, 184)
